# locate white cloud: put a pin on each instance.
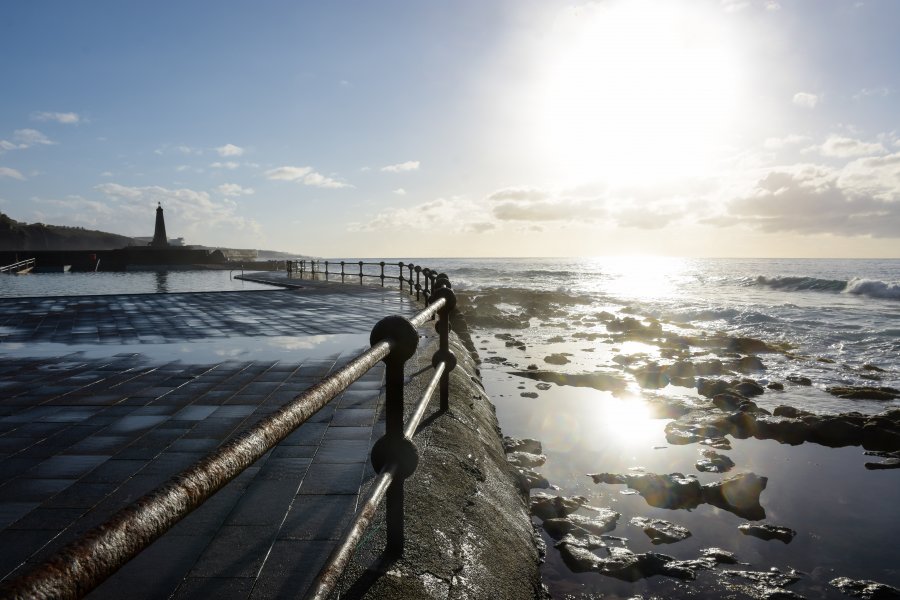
(400, 192)
(843, 147)
(734, 5)
(25, 138)
(772, 5)
(230, 165)
(67, 118)
(7, 145)
(233, 189)
(106, 174)
(306, 176)
(448, 215)
(410, 165)
(187, 211)
(881, 92)
(11, 173)
(806, 99)
(230, 150)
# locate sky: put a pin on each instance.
(700, 128)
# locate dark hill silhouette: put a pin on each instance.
(15, 235)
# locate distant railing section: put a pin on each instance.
(416, 278)
(16, 267)
(85, 563)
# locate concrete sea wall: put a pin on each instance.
(468, 530)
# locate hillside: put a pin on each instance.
(38, 236)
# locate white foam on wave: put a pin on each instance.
(873, 288)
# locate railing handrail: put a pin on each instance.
(16, 265)
(85, 563)
(415, 285)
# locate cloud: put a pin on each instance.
(233, 189)
(187, 211)
(11, 173)
(447, 215)
(400, 192)
(230, 150)
(67, 118)
(806, 100)
(811, 199)
(881, 92)
(844, 147)
(306, 176)
(230, 165)
(410, 165)
(25, 138)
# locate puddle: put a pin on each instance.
(284, 348)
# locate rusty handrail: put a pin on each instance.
(85, 563)
(340, 556)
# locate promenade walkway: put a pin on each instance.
(102, 398)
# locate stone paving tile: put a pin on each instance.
(81, 438)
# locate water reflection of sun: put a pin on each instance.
(645, 277)
(627, 420)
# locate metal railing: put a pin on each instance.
(85, 563)
(422, 284)
(22, 265)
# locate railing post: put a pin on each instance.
(326, 270)
(418, 280)
(342, 271)
(360, 272)
(410, 267)
(427, 273)
(400, 264)
(393, 447)
(444, 354)
(382, 273)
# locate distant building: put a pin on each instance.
(159, 232)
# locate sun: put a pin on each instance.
(636, 91)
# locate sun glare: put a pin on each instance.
(635, 92)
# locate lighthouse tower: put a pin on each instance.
(159, 233)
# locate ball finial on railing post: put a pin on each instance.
(342, 271)
(360, 272)
(393, 447)
(444, 354)
(382, 273)
(418, 281)
(400, 264)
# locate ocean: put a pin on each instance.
(579, 353)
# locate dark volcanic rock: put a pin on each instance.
(719, 555)
(790, 411)
(748, 388)
(579, 525)
(712, 387)
(546, 506)
(799, 380)
(667, 491)
(528, 479)
(556, 359)
(628, 566)
(865, 588)
(651, 376)
(748, 364)
(610, 382)
(772, 577)
(613, 478)
(713, 462)
(511, 444)
(738, 494)
(661, 531)
(577, 557)
(526, 459)
(768, 532)
(862, 392)
(890, 463)
(776, 386)
(746, 345)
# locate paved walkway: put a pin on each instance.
(81, 438)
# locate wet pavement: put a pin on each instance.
(98, 406)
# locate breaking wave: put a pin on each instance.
(871, 288)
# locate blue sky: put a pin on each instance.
(693, 128)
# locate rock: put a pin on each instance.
(543, 386)
(890, 463)
(776, 386)
(529, 445)
(738, 494)
(709, 367)
(628, 566)
(591, 542)
(880, 433)
(612, 478)
(556, 339)
(580, 525)
(674, 490)
(768, 532)
(681, 369)
(865, 588)
(868, 367)
(556, 359)
(719, 443)
(610, 382)
(661, 531)
(711, 387)
(719, 555)
(651, 376)
(836, 431)
(748, 388)
(713, 462)
(746, 345)
(526, 459)
(545, 506)
(784, 429)
(529, 394)
(728, 400)
(790, 411)
(528, 480)
(863, 392)
(799, 380)
(577, 557)
(771, 578)
(748, 364)
(696, 564)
